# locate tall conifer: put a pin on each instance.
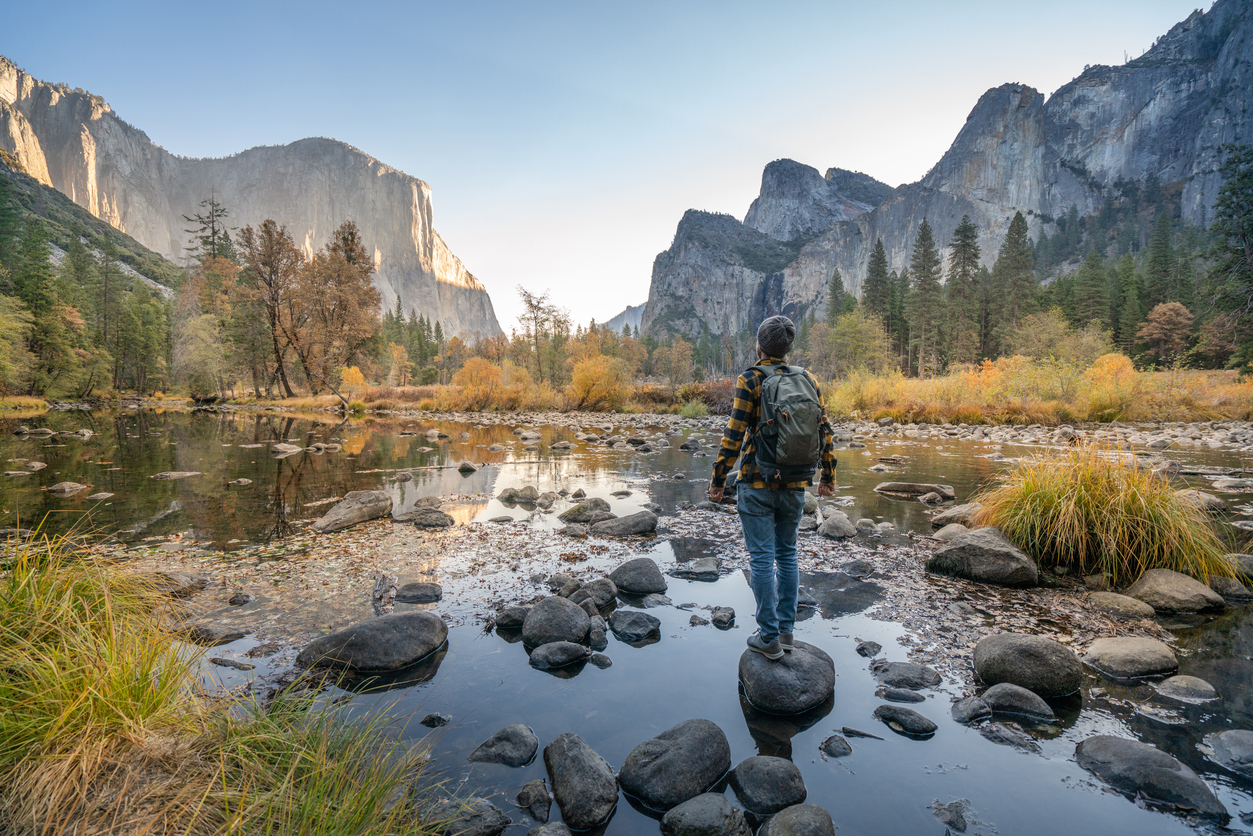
(926, 304)
(962, 320)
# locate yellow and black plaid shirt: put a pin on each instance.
(740, 437)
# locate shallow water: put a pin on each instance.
(485, 682)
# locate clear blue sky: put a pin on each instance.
(564, 140)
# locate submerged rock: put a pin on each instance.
(419, 593)
(583, 784)
(473, 817)
(356, 507)
(766, 785)
(800, 820)
(1131, 657)
(970, 710)
(1040, 665)
(1137, 768)
(1231, 749)
(905, 721)
(633, 626)
(66, 488)
(987, 556)
(426, 518)
(676, 765)
(907, 675)
(174, 475)
(801, 680)
(381, 644)
(1007, 698)
(836, 747)
(914, 489)
(700, 569)
(554, 655)
(1184, 688)
(513, 745)
(710, 814)
(512, 618)
(1168, 591)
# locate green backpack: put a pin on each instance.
(789, 443)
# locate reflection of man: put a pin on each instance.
(780, 453)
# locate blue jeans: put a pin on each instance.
(771, 517)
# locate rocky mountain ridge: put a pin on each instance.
(71, 140)
(1165, 114)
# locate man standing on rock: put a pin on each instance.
(779, 424)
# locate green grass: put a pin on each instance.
(103, 728)
(1094, 511)
(694, 409)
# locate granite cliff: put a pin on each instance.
(1165, 114)
(71, 140)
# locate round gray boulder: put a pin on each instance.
(601, 592)
(555, 619)
(710, 814)
(381, 644)
(1007, 698)
(513, 745)
(1131, 657)
(1168, 591)
(909, 675)
(639, 577)
(553, 655)
(801, 680)
(766, 785)
(801, 820)
(583, 784)
(904, 721)
(1038, 664)
(1137, 768)
(419, 593)
(987, 556)
(676, 765)
(1119, 606)
(1184, 688)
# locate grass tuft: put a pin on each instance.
(1091, 509)
(103, 728)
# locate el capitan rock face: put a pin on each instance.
(1165, 114)
(72, 141)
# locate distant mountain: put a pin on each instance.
(1164, 114)
(630, 316)
(72, 141)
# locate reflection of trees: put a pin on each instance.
(287, 478)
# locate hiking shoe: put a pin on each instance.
(785, 641)
(772, 650)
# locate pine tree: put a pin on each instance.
(1091, 291)
(10, 227)
(35, 283)
(876, 293)
(1160, 269)
(1012, 277)
(900, 325)
(962, 292)
(211, 238)
(835, 298)
(926, 309)
(1130, 313)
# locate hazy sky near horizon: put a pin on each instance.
(564, 140)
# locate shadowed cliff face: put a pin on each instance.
(73, 142)
(1166, 113)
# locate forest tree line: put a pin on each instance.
(257, 317)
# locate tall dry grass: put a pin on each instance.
(1091, 509)
(1015, 390)
(102, 728)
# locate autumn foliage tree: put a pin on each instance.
(1167, 330)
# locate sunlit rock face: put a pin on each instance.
(1165, 114)
(72, 141)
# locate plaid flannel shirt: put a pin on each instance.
(740, 436)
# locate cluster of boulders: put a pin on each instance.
(676, 774)
(1020, 673)
(1217, 435)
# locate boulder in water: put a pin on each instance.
(800, 820)
(801, 680)
(356, 507)
(381, 644)
(677, 765)
(766, 785)
(1131, 657)
(555, 619)
(987, 556)
(1166, 590)
(1040, 665)
(639, 577)
(513, 745)
(710, 814)
(1137, 768)
(583, 784)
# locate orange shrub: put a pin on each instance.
(598, 383)
(480, 384)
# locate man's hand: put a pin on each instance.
(715, 494)
(826, 489)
